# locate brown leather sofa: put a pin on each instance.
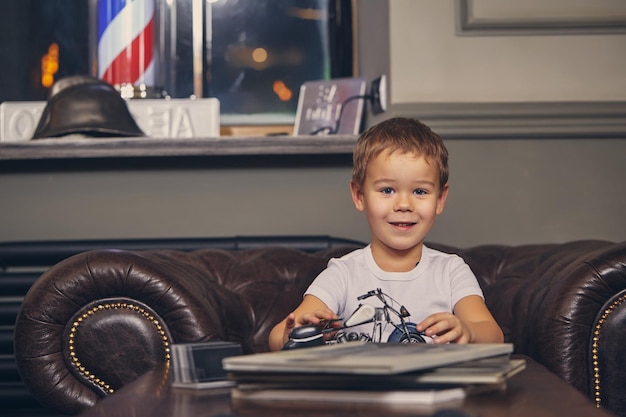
(98, 319)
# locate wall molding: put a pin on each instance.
(468, 24)
(541, 120)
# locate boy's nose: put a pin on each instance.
(403, 203)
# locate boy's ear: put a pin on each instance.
(441, 200)
(357, 196)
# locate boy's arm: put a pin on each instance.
(471, 323)
(312, 310)
(473, 312)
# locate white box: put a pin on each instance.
(157, 118)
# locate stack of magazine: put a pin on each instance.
(373, 373)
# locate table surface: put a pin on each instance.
(534, 392)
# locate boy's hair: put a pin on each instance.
(399, 134)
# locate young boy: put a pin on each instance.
(400, 181)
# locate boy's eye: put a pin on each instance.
(420, 191)
(387, 190)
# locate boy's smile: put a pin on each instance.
(401, 197)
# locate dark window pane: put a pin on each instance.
(259, 52)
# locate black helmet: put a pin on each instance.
(81, 104)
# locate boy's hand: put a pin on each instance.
(311, 311)
(315, 317)
(290, 324)
(445, 327)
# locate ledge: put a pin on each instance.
(453, 121)
(82, 148)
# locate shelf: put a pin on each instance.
(82, 148)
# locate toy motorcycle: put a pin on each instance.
(404, 332)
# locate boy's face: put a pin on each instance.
(401, 198)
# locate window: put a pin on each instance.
(254, 55)
(257, 67)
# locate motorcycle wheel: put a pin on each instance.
(398, 336)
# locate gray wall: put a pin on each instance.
(527, 191)
(176, 203)
(510, 190)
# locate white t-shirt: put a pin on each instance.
(435, 285)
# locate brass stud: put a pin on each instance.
(595, 347)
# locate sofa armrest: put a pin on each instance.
(575, 321)
(562, 304)
(98, 320)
